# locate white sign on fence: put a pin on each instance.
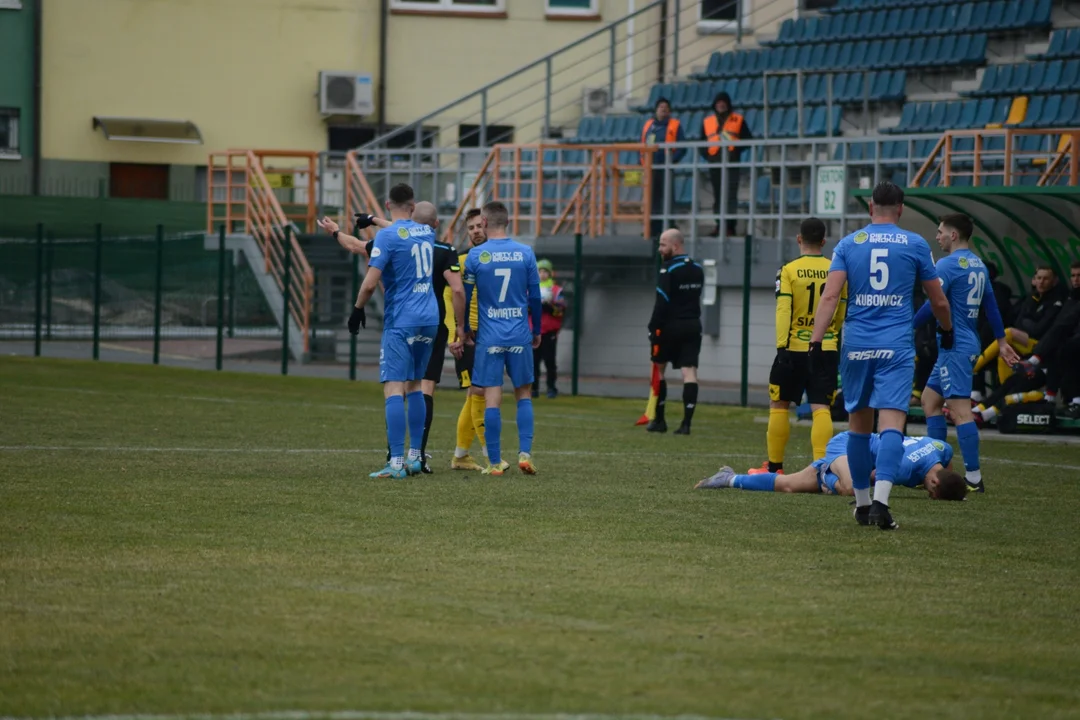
(830, 191)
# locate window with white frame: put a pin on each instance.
(570, 8)
(722, 15)
(9, 133)
(10, 4)
(462, 6)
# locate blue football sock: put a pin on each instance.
(890, 451)
(395, 425)
(764, 482)
(936, 427)
(860, 463)
(968, 436)
(525, 424)
(417, 410)
(493, 433)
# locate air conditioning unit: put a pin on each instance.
(345, 93)
(595, 101)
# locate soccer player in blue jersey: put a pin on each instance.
(966, 283)
(925, 462)
(880, 264)
(402, 258)
(504, 276)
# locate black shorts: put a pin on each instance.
(680, 347)
(788, 382)
(438, 355)
(464, 365)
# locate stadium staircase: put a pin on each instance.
(263, 200)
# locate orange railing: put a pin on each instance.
(1010, 154)
(550, 189)
(359, 197)
(261, 214)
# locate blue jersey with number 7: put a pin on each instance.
(405, 253)
(505, 277)
(883, 263)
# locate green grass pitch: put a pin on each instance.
(178, 542)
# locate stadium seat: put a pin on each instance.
(1067, 112)
(1017, 111)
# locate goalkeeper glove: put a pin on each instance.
(947, 338)
(357, 320)
(815, 358)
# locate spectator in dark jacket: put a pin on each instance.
(1034, 316)
(1058, 350)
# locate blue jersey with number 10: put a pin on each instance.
(883, 263)
(405, 252)
(964, 279)
(505, 275)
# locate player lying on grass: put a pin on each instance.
(925, 462)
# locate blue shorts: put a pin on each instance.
(878, 378)
(836, 448)
(953, 373)
(405, 353)
(492, 359)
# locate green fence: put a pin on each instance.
(147, 288)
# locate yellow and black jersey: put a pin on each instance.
(474, 313)
(799, 286)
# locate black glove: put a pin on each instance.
(784, 360)
(815, 358)
(364, 220)
(947, 338)
(357, 320)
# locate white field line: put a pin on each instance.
(382, 451)
(376, 715)
(290, 403)
(320, 451)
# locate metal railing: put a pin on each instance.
(1007, 155)
(260, 214)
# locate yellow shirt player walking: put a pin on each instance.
(799, 285)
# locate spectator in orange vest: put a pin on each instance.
(661, 128)
(720, 128)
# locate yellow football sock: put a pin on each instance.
(478, 406)
(1026, 397)
(465, 431)
(821, 431)
(777, 436)
(1004, 372)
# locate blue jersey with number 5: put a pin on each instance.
(405, 252)
(505, 275)
(883, 263)
(964, 279)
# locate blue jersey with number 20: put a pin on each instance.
(883, 263)
(405, 252)
(505, 275)
(964, 279)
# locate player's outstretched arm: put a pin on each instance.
(350, 243)
(826, 308)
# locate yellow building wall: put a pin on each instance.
(697, 41)
(245, 71)
(434, 60)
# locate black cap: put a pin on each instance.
(722, 95)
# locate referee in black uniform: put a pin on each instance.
(675, 327)
(445, 271)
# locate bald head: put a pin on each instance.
(671, 243)
(426, 214)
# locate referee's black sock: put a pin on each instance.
(429, 411)
(661, 399)
(689, 401)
